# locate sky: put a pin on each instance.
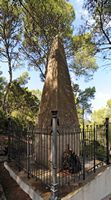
(101, 79)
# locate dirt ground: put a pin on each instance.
(11, 189)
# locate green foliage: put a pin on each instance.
(35, 24)
(84, 51)
(100, 151)
(28, 27)
(100, 12)
(83, 100)
(10, 34)
(3, 121)
(23, 79)
(108, 108)
(43, 20)
(48, 18)
(98, 116)
(85, 97)
(37, 93)
(2, 87)
(22, 103)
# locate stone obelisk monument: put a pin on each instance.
(57, 94)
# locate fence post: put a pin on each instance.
(19, 151)
(54, 187)
(9, 138)
(28, 152)
(94, 147)
(107, 141)
(8, 146)
(83, 151)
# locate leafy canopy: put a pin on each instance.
(43, 20)
(100, 12)
(22, 104)
(84, 51)
(83, 100)
(99, 115)
(10, 34)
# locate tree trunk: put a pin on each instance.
(5, 106)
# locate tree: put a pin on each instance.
(37, 93)
(98, 116)
(100, 12)
(2, 114)
(22, 104)
(84, 51)
(40, 21)
(23, 78)
(108, 108)
(2, 87)
(83, 100)
(10, 33)
(43, 20)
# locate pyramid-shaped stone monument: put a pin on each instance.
(57, 92)
(57, 95)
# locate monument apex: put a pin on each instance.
(57, 92)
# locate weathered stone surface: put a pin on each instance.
(57, 92)
(57, 95)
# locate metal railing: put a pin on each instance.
(59, 156)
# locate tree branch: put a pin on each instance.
(101, 24)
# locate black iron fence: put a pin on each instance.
(57, 155)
